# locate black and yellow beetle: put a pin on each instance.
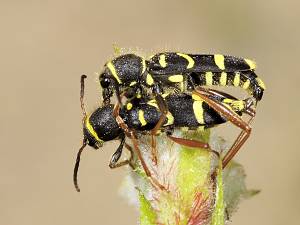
(202, 109)
(131, 74)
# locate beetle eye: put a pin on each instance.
(105, 82)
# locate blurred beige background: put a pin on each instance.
(46, 45)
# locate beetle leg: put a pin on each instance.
(193, 144)
(116, 156)
(76, 167)
(131, 134)
(164, 110)
(233, 118)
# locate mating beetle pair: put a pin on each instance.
(161, 87)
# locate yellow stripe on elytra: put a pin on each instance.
(113, 72)
(91, 130)
(170, 118)
(175, 78)
(129, 106)
(209, 78)
(246, 84)
(251, 64)
(223, 79)
(143, 65)
(149, 79)
(219, 60)
(162, 60)
(260, 83)
(198, 111)
(236, 80)
(190, 60)
(142, 118)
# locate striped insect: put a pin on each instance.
(178, 72)
(142, 116)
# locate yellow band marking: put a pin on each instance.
(198, 111)
(175, 78)
(139, 95)
(142, 118)
(143, 65)
(91, 130)
(149, 79)
(181, 86)
(165, 95)
(162, 61)
(170, 118)
(261, 83)
(219, 60)
(153, 103)
(251, 64)
(114, 72)
(190, 60)
(132, 83)
(223, 79)
(236, 80)
(129, 106)
(209, 78)
(246, 84)
(196, 97)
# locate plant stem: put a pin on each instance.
(186, 172)
(193, 195)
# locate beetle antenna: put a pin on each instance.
(84, 142)
(82, 95)
(76, 167)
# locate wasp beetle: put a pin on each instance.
(181, 72)
(204, 108)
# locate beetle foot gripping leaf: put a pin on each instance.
(193, 195)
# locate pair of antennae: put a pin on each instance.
(84, 142)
